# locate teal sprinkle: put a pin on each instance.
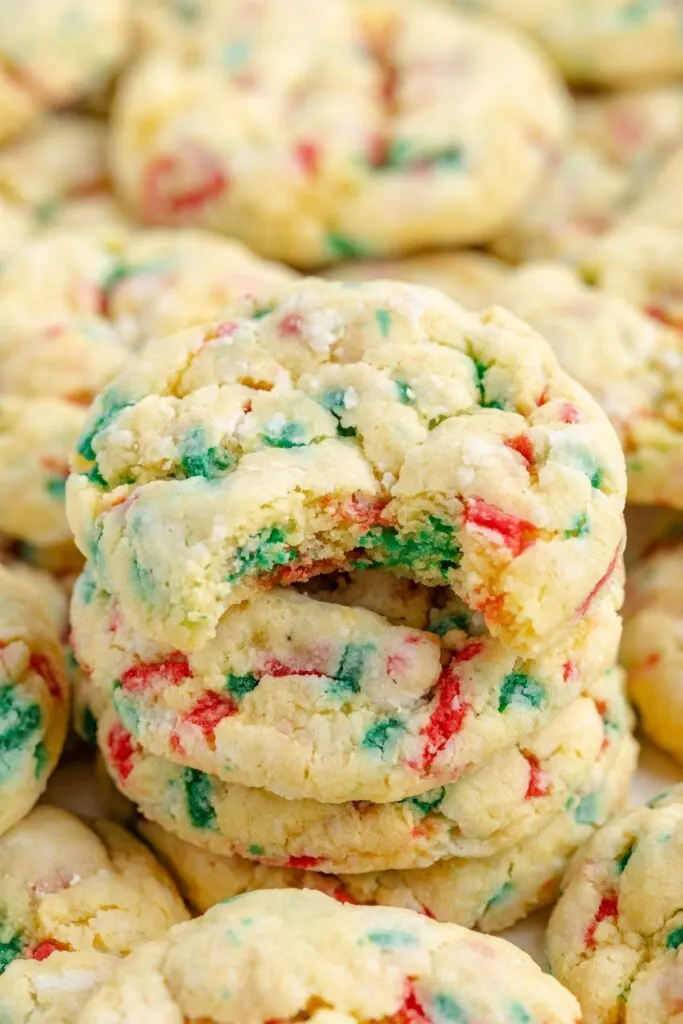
(447, 1008)
(111, 404)
(406, 394)
(660, 798)
(382, 734)
(443, 626)
(236, 53)
(675, 938)
(519, 688)
(383, 318)
(262, 553)
(392, 939)
(41, 759)
(433, 548)
(398, 154)
(256, 851)
(451, 159)
(188, 10)
(519, 1015)
(506, 889)
(586, 812)
(200, 810)
(19, 721)
(143, 578)
(622, 860)
(596, 479)
(335, 402)
(86, 585)
(579, 527)
(89, 727)
(95, 477)
(240, 686)
(427, 803)
(289, 435)
(9, 951)
(401, 154)
(198, 459)
(348, 677)
(56, 488)
(640, 10)
(344, 248)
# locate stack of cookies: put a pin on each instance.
(349, 617)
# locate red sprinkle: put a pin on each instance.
(653, 659)
(209, 710)
(291, 325)
(172, 672)
(303, 571)
(569, 671)
(121, 750)
(538, 783)
(276, 668)
(569, 413)
(308, 157)
(445, 721)
(160, 201)
(516, 534)
(45, 949)
(54, 465)
(657, 313)
(585, 604)
(304, 863)
(523, 446)
(367, 511)
(42, 667)
(412, 1011)
(427, 912)
(469, 651)
(609, 907)
(341, 896)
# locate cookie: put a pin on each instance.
(630, 362)
(34, 698)
(488, 893)
(380, 426)
(650, 649)
(471, 278)
(308, 954)
(609, 42)
(51, 592)
(51, 991)
(349, 139)
(620, 142)
(53, 54)
(614, 937)
(65, 885)
(15, 228)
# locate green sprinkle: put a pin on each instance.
(95, 477)
(345, 248)
(337, 402)
(19, 721)
(256, 851)
(9, 951)
(586, 812)
(259, 314)
(622, 860)
(200, 810)
(519, 1015)
(447, 1008)
(56, 488)
(405, 392)
(519, 688)
(449, 622)
(111, 405)
(433, 424)
(579, 527)
(392, 939)
(236, 53)
(347, 678)
(89, 727)
(596, 479)
(47, 210)
(240, 686)
(285, 435)
(431, 549)
(427, 802)
(198, 459)
(41, 759)
(480, 371)
(383, 318)
(262, 553)
(506, 889)
(86, 585)
(675, 938)
(382, 734)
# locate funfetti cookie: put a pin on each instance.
(379, 130)
(309, 954)
(51, 991)
(381, 426)
(615, 937)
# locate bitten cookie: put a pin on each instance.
(651, 646)
(275, 955)
(615, 936)
(34, 698)
(379, 129)
(381, 426)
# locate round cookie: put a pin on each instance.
(53, 54)
(34, 698)
(51, 991)
(65, 885)
(631, 364)
(230, 819)
(488, 893)
(275, 955)
(51, 592)
(651, 645)
(304, 434)
(614, 937)
(333, 702)
(605, 42)
(471, 278)
(347, 139)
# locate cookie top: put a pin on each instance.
(614, 937)
(630, 362)
(51, 991)
(347, 139)
(651, 645)
(330, 698)
(610, 42)
(378, 426)
(274, 955)
(56, 53)
(34, 698)
(65, 885)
